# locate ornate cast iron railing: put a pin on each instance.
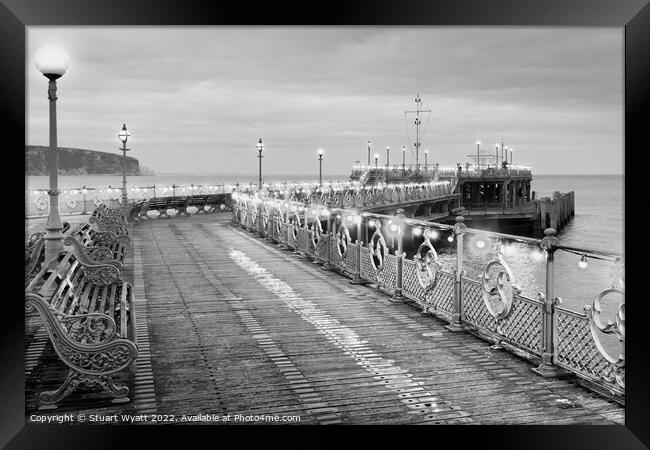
(369, 248)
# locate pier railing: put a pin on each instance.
(84, 200)
(473, 294)
(358, 197)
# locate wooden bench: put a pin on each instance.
(106, 220)
(159, 204)
(89, 315)
(199, 202)
(214, 202)
(137, 210)
(180, 204)
(95, 247)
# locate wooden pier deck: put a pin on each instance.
(234, 325)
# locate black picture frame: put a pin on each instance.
(634, 15)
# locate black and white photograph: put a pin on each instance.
(274, 225)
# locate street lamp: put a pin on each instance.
(387, 156)
(478, 154)
(403, 160)
(260, 148)
(52, 62)
(496, 149)
(511, 150)
(376, 159)
(506, 153)
(124, 136)
(321, 152)
(426, 154)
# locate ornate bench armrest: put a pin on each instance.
(106, 354)
(92, 256)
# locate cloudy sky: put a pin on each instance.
(197, 99)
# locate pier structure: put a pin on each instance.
(232, 316)
(486, 300)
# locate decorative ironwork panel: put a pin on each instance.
(350, 261)
(473, 310)
(575, 350)
(321, 248)
(282, 236)
(440, 297)
(523, 327)
(335, 256)
(291, 238)
(387, 276)
(367, 270)
(302, 240)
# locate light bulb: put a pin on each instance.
(583, 264)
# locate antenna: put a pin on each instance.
(418, 122)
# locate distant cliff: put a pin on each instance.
(77, 161)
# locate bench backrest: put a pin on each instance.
(71, 287)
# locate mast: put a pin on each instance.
(418, 122)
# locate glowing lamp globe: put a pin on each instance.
(124, 134)
(321, 151)
(52, 61)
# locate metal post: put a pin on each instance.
(546, 367)
(456, 323)
(53, 226)
(320, 169)
(330, 235)
(401, 224)
(125, 198)
(356, 278)
(83, 191)
(387, 157)
(368, 152)
(154, 191)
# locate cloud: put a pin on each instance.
(197, 99)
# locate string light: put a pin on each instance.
(536, 255)
(417, 231)
(480, 243)
(583, 264)
(371, 223)
(393, 227)
(450, 238)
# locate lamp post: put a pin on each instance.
(511, 150)
(387, 156)
(505, 152)
(321, 152)
(368, 151)
(426, 154)
(376, 159)
(403, 160)
(478, 154)
(52, 62)
(496, 156)
(124, 136)
(260, 148)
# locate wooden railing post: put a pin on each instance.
(456, 322)
(546, 367)
(401, 224)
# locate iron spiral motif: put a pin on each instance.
(378, 249)
(316, 232)
(426, 264)
(499, 288)
(617, 327)
(343, 240)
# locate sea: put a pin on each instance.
(598, 225)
